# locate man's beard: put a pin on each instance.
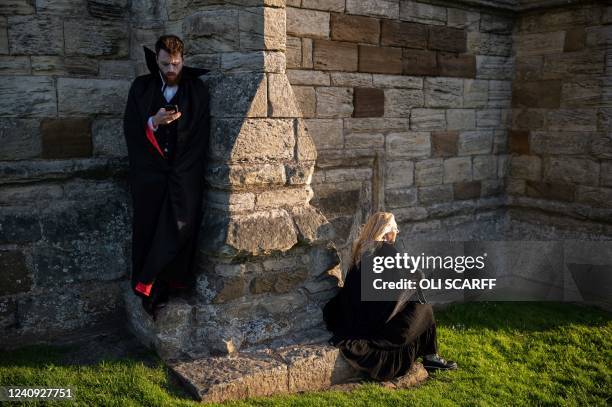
(173, 80)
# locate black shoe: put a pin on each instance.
(157, 299)
(435, 362)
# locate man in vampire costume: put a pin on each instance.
(166, 127)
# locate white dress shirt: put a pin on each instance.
(169, 92)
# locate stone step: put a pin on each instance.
(268, 372)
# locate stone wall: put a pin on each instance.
(409, 105)
(560, 137)
(446, 113)
(65, 70)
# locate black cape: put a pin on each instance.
(167, 198)
(374, 336)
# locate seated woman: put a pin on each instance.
(382, 338)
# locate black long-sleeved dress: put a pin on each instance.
(384, 350)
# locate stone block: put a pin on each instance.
(35, 35)
(484, 167)
(572, 119)
(294, 52)
(212, 31)
(581, 93)
(4, 47)
(458, 65)
(575, 38)
(462, 18)
(327, 5)
(66, 138)
(364, 141)
(334, 102)
(487, 118)
(457, 169)
(335, 55)
(494, 23)
(444, 143)
(307, 23)
(419, 62)
(461, 119)
(434, 194)
(362, 80)
(447, 39)
(326, 133)
(562, 143)
(15, 277)
(540, 43)
(403, 34)
(550, 190)
(253, 61)
(20, 139)
(368, 102)
(306, 100)
(595, 196)
(397, 81)
(380, 59)
(571, 170)
(526, 167)
(262, 232)
(489, 44)
(466, 190)
(399, 174)
(375, 8)
(252, 140)
(606, 173)
(230, 201)
(102, 96)
(281, 101)
(303, 77)
(56, 65)
(289, 197)
(28, 96)
(399, 198)
(518, 141)
(429, 172)
(494, 67)
(17, 7)
(376, 125)
(475, 93)
(408, 144)
(568, 64)
(107, 138)
(427, 119)
(443, 92)
(96, 38)
(311, 224)
(15, 65)
(239, 95)
(262, 28)
(399, 102)
(351, 28)
(307, 53)
(19, 225)
(537, 94)
(422, 12)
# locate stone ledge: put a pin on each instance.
(269, 372)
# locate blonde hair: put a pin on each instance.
(372, 234)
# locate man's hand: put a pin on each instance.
(165, 117)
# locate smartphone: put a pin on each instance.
(171, 108)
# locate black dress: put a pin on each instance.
(384, 350)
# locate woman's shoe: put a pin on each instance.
(435, 362)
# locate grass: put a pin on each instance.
(508, 354)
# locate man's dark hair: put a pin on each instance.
(169, 43)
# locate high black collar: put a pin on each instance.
(186, 71)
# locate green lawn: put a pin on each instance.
(508, 354)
